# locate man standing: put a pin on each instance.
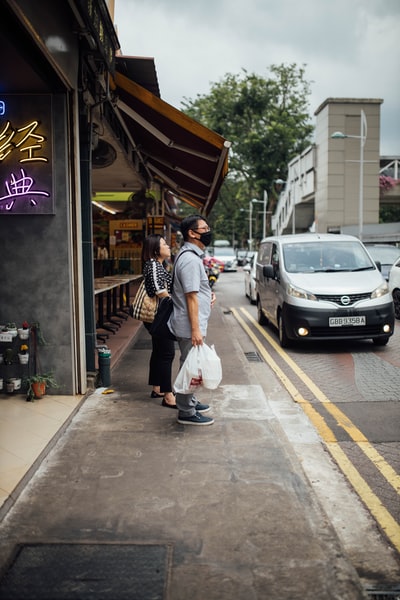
(192, 298)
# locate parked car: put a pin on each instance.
(322, 287)
(249, 271)
(394, 287)
(384, 254)
(227, 255)
(241, 255)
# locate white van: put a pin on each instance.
(322, 287)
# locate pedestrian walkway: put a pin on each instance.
(130, 504)
(29, 429)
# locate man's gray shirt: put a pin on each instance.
(189, 276)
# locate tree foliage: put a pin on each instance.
(268, 123)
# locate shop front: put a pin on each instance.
(67, 138)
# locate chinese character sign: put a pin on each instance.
(26, 154)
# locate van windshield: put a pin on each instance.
(322, 256)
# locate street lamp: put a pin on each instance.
(264, 202)
(250, 225)
(250, 211)
(255, 201)
(363, 138)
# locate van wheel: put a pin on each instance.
(262, 319)
(283, 338)
(380, 341)
(396, 303)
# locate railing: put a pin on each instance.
(299, 186)
(112, 300)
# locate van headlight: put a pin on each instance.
(299, 293)
(380, 291)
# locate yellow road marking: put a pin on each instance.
(341, 419)
(380, 513)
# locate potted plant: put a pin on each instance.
(8, 356)
(12, 329)
(37, 385)
(23, 354)
(24, 331)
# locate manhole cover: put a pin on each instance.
(89, 571)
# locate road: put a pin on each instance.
(350, 392)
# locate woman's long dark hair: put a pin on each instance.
(151, 247)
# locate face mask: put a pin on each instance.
(205, 238)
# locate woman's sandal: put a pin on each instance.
(155, 395)
(165, 403)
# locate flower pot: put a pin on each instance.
(23, 333)
(1, 383)
(39, 389)
(17, 382)
(23, 359)
(10, 387)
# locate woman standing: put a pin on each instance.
(158, 282)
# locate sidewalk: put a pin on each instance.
(130, 504)
(28, 430)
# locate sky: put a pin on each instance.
(349, 48)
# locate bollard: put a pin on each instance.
(104, 365)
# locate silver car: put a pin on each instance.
(249, 271)
(227, 255)
(394, 287)
(384, 255)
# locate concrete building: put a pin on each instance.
(324, 191)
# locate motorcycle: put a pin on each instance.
(212, 270)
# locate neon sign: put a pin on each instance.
(19, 139)
(26, 154)
(20, 188)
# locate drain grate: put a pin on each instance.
(393, 594)
(90, 571)
(253, 357)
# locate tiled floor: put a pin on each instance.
(26, 428)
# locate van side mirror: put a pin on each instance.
(268, 271)
(378, 265)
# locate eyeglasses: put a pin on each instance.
(205, 228)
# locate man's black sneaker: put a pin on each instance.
(196, 419)
(202, 408)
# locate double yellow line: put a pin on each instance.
(379, 512)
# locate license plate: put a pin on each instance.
(346, 321)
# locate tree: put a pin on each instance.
(268, 123)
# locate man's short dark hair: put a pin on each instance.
(190, 222)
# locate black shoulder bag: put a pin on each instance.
(159, 327)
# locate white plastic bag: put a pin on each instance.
(202, 367)
(189, 377)
(210, 365)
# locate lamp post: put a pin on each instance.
(250, 211)
(255, 201)
(363, 138)
(251, 225)
(264, 202)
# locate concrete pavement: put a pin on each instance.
(248, 508)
